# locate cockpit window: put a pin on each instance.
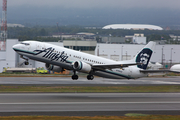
(25, 43)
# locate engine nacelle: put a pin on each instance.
(175, 68)
(81, 66)
(54, 68)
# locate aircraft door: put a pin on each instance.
(38, 47)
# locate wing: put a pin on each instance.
(113, 66)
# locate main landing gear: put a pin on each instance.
(75, 77)
(90, 77)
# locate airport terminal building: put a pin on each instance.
(166, 54)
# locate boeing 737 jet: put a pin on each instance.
(58, 59)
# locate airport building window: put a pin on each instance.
(82, 48)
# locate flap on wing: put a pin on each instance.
(112, 66)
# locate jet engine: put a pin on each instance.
(54, 68)
(82, 66)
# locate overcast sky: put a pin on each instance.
(99, 12)
(171, 4)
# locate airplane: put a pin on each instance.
(57, 59)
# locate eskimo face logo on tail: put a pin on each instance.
(143, 57)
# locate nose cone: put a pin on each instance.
(15, 47)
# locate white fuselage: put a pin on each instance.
(64, 57)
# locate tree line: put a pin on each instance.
(44, 33)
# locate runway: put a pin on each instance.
(88, 104)
(84, 81)
(80, 104)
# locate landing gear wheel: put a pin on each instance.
(26, 63)
(74, 77)
(90, 77)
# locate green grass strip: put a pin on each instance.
(92, 89)
(135, 114)
(149, 117)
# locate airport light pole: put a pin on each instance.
(122, 53)
(162, 59)
(171, 58)
(126, 55)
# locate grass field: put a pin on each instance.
(91, 89)
(136, 117)
(63, 75)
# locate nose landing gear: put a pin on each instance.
(26, 62)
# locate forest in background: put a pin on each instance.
(44, 33)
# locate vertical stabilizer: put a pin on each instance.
(144, 55)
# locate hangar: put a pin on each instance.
(133, 27)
